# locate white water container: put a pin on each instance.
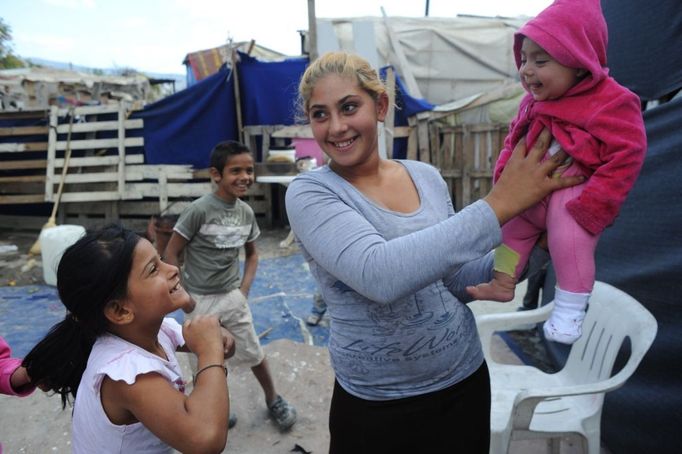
(53, 243)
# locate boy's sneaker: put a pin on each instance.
(314, 319)
(232, 421)
(283, 413)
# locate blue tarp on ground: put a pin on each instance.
(281, 298)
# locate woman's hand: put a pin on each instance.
(527, 179)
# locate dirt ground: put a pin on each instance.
(302, 374)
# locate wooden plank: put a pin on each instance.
(91, 196)
(95, 177)
(31, 164)
(172, 172)
(401, 131)
(23, 114)
(139, 190)
(23, 179)
(21, 199)
(23, 131)
(101, 143)
(51, 154)
(90, 110)
(121, 150)
(137, 123)
(24, 146)
(423, 140)
(412, 139)
(93, 161)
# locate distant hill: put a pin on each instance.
(180, 79)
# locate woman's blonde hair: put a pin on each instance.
(343, 64)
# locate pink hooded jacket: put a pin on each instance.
(598, 122)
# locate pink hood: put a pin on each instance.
(574, 33)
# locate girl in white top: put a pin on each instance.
(115, 352)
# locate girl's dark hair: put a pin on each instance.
(225, 150)
(91, 273)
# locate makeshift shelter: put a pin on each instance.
(39, 88)
(447, 58)
(203, 63)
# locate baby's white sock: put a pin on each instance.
(564, 324)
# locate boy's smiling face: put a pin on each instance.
(544, 77)
(236, 177)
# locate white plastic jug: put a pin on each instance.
(53, 243)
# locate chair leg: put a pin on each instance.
(555, 445)
(499, 442)
(592, 444)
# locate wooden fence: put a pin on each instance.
(465, 156)
(103, 175)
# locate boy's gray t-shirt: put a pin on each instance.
(215, 231)
(395, 283)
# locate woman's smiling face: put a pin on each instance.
(343, 118)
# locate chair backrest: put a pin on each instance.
(612, 316)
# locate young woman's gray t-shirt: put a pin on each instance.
(395, 283)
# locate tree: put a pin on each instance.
(7, 58)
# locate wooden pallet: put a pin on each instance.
(23, 147)
(105, 179)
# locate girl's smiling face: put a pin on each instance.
(542, 76)
(343, 118)
(154, 288)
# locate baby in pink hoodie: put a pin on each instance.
(561, 56)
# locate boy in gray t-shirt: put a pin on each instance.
(211, 231)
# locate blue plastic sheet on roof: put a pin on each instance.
(269, 90)
(184, 127)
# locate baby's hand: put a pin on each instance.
(203, 336)
(501, 288)
(229, 344)
(20, 379)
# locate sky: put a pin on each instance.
(153, 36)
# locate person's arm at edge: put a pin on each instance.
(250, 266)
(174, 248)
(14, 380)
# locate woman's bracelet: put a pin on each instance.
(194, 379)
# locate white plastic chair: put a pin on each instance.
(528, 403)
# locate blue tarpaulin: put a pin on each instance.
(183, 128)
(280, 299)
